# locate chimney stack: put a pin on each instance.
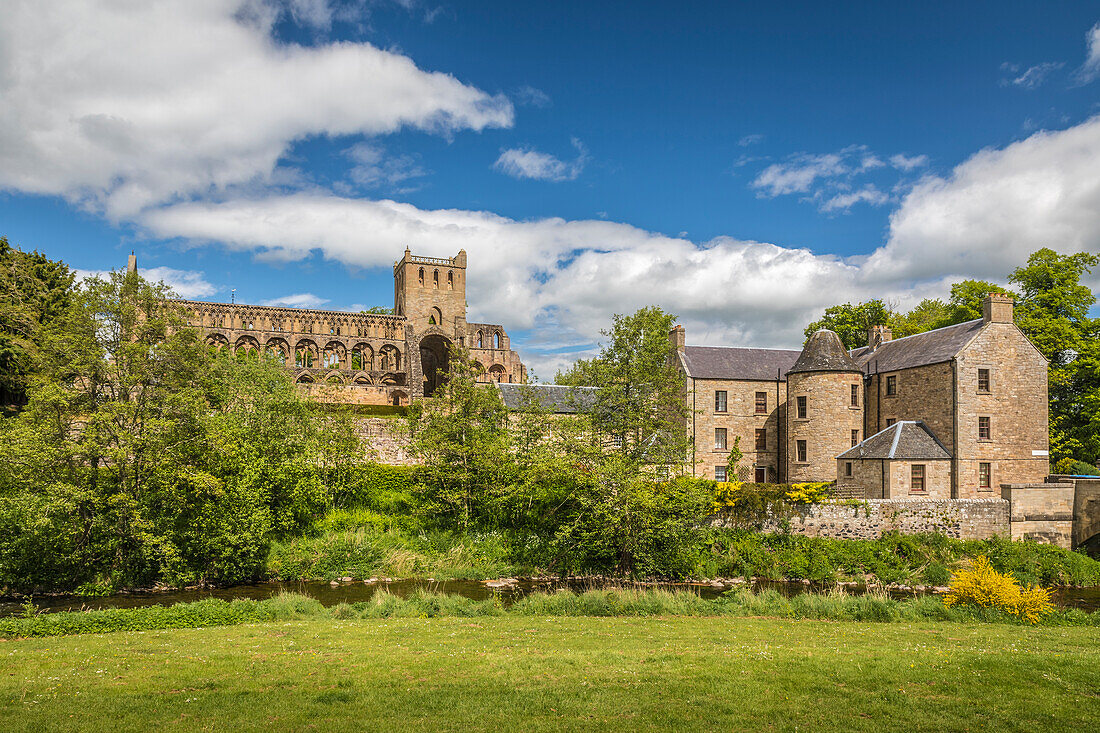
(997, 308)
(131, 263)
(677, 337)
(877, 336)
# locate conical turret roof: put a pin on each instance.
(824, 353)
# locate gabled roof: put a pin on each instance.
(906, 440)
(824, 352)
(554, 397)
(921, 349)
(727, 362)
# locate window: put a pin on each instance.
(761, 476)
(720, 401)
(761, 439)
(719, 473)
(496, 340)
(847, 468)
(855, 395)
(855, 438)
(719, 439)
(985, 475)
(420, 277)
(617, 441)
(801, 401)
(450, 280)
(890, 421)
(761, 403)
(891, 386)
(435, 279)
(916, 482)
(984, 432)
(983, 380)
(800, 451)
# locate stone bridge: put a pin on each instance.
(1086, 513)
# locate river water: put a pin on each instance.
(330, 595)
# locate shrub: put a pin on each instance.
(980, 585)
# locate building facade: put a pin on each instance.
(979, 389)
(369, 358)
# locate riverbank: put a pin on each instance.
(526, 673)
(834, 606)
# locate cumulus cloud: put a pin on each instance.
(908, 162)
(1032, 77)
(844, 201)
(124, 105)
(1090, 70)
(184, 283)
(994, 209)
(530, 163)
(799, 173)
(830, 180)
(297, 300)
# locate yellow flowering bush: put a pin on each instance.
(730, 494)
(980, 585)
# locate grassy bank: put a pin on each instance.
(363, 545)
(557, 673)
(835, 606)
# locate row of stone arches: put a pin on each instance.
(308, 353)
(492, 340)
(362, 379)
(435, 279)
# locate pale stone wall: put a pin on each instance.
(869, 519)
(864, 483)
(923, 393)
(1041, 511)
(937, 479)
(386, 440)
(1016, 405)
(740, 420)
(828, 425)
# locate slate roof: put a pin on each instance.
(906, 440)
(824, 352)
(922, 349)
(727, 362)
(554, 397)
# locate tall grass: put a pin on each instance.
(835, 606)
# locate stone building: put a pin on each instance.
(978, 389)
(368, 358)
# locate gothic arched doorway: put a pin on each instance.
(434, 353)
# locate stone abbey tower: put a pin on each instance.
(369, 358)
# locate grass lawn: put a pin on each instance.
(557, 673)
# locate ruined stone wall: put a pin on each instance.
(869, 519)
(1016, 404)
(386, 440)
(740, 419)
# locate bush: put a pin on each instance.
(982, 586)
(1073, 467)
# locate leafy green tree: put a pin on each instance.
(965, 303)
(33, 292)
(930, 313)
(582, 373)
(460, 434)
(1052, 309)
(139, 458)
(851, 322)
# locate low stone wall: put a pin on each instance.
(1042, 512)
(968, 519)
(387, 439)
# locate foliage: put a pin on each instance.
(34, 291)
(851, 322)
(1073, 467)
(142, 458)
(982, 586)
(754, 502)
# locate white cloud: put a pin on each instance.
(123, 105)
(907, 163)
(374, 168)
(753, 139)
(531, 96)
(1090, 70)
(184, 283)
(530, 163)
(799, 173)
(297, 300)
(844, 201)
(994, 209)
(1033, 76)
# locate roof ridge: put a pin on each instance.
(924, 333)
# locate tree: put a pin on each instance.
(851, 322)
(460, 434)
(930, 313)
(1052, 309)
(33, 292)
(142, 458)
(965, 303)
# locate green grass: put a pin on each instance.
(835, 606)
(518, 673)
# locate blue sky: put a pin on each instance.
(742, 165)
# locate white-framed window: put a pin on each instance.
(720, 400)
(719, 439)
(719, 473)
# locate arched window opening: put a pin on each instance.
(451, 280)
(421, 277)
(496, 340)
(479, 340)
(436, 317)
(435, 279)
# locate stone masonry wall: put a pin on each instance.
(868, 520)
(386, 439)
(828, 425)
(740, 419)
(1042, 512)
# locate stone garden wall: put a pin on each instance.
(869, 519)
